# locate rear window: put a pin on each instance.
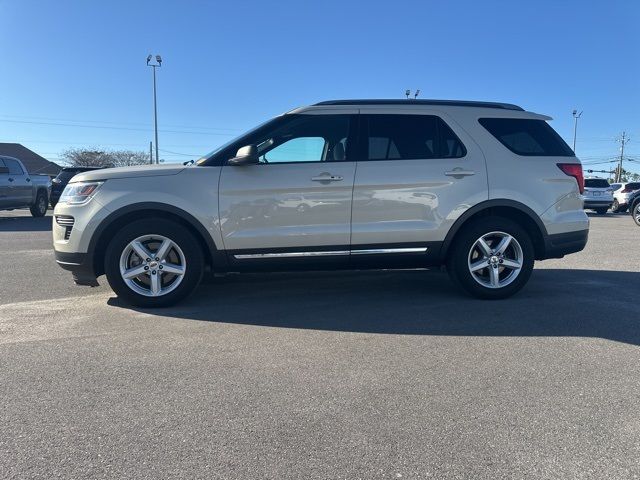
(596, 183)
(527, 137)
(633, 186)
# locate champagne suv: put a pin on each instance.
(483, 188)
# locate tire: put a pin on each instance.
(39, 208)
(601, 211)
(636, 213)
(466, 250)
(53, 203)
(615, 207)
(183, 254)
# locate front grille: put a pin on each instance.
(65, 220)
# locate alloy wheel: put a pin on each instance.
(152, 265)
(495, 259)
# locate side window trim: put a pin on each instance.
(363, 143)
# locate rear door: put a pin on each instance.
(295, 203)
(417, 174)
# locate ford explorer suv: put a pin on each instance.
(19, 189)
(483, 188)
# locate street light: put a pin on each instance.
(576, 116)
(155, 103)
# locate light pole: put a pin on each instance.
(576, 116)
(155, 102)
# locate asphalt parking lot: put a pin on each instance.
(323, 375)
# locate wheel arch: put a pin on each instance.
(113, 222)
(510, 209)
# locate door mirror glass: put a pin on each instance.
(246, 155)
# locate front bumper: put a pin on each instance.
(80, 266)
(561, 244)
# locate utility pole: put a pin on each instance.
(623, 141)
(155, 102)
(576, 116)
(151, 153)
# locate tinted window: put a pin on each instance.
(411, 137)
(527, 137)
(14, 167)
(2, 165)
(616, 186)
(305, 138)
(596, 183)
(632, 186)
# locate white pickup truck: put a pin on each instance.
(19, 189)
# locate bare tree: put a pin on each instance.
(87, 157)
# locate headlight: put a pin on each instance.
(79, 193)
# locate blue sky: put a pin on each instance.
(73, 72)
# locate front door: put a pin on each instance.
(296, 202)
(22, 190)
(5, 186)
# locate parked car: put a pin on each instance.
(61, 181)
(19, 189)
(598, 195)
(621, 194)
(634, 206)
(483, 188)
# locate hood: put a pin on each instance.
(128, 172)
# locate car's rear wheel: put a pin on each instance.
(601, 211)
(615, 206)
(491, 258)
(636, 213)
(39, 208)
(153, 263)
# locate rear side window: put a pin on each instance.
(527, 137)
(596, 183)
(411, 137)
(14, 167)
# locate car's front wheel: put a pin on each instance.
(153, 263)
(601, 211)
(615, 207)
(491, 258)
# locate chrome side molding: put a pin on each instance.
(331, 253)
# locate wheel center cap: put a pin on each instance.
(493, 260)
(153, 264)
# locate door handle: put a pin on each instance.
(459, 173)
(11, 179)
(327, 177)
(28, 179)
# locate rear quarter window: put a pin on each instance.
(527, 137)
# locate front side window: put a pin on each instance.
(411, 137)
(527, 137)
(305, 139)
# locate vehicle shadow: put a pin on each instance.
(555, 303)
(25, 224)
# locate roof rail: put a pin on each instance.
(413, 101)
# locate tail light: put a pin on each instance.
(626, 190)
(574, 170)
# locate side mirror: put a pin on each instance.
(4, 170)
(247, 155)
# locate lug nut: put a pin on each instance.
(160, 267)
(501, 261)
(148, 260)
(157, 259)
(153, 272)
(146, 267)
